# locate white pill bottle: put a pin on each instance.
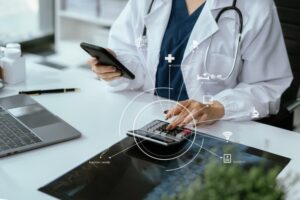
(13, 64)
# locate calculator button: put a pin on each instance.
(179, 136)
(173, 133)
(140, 132)
(157, 137)
(157, 132)
(186, 132)
(163, 134)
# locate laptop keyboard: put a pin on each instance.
(14, 134)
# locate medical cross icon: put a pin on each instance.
(170, 58)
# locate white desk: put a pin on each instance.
(96, 113)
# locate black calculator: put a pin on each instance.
(156, 132)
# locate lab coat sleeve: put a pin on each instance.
(122, 41)
(264, 76)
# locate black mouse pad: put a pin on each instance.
(136, 169)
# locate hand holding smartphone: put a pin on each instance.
(104, 72)
(107, 59)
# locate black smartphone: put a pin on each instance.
(106, 58)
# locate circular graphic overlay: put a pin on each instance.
(159, 152)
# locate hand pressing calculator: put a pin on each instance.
(156, 132)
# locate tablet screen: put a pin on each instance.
(133, 169)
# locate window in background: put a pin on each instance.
(25, 20)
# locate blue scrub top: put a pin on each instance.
(175, 40)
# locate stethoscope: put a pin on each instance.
(143, 41)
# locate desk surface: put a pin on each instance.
(96, 113)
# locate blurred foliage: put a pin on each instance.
(232, 182)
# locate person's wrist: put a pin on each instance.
(218, 109)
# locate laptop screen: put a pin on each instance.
(134, 169)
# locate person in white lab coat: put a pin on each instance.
(260, 76)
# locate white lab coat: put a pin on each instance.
(262, 72)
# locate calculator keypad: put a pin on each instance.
(156, 131)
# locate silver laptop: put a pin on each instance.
(26, 125)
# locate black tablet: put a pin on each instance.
(106, 58)
(131, 169)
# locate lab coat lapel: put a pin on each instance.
(219, 4)
(205, 26)
(156, 23)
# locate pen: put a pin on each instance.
(51, 91)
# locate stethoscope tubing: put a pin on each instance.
(239, 38)
(238, 41)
